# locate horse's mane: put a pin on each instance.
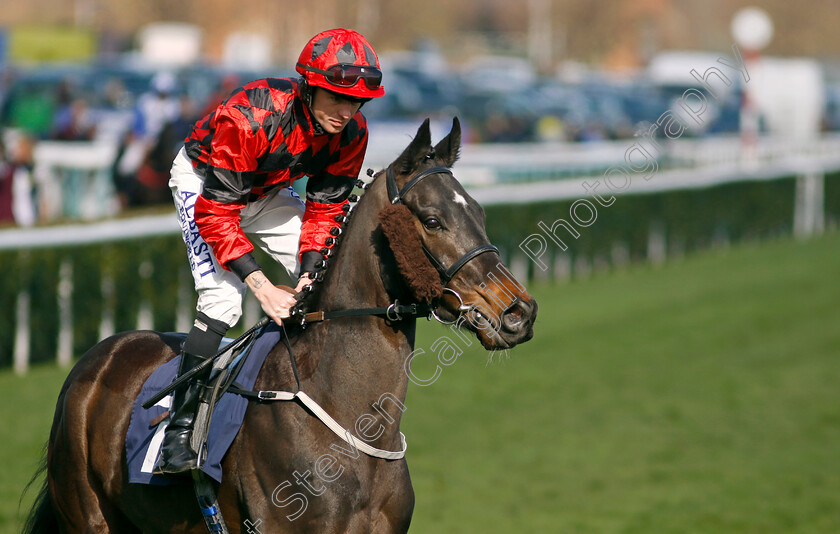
(397, 225)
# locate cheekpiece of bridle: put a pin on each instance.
(395, 196)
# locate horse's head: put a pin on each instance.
(436, 232)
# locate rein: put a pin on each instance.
(393, 312)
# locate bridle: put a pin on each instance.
(396, 311)
(396, 197)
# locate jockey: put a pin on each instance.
(231, 183)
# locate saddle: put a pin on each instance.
(241, 359)
(219, 417)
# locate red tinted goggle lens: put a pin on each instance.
(349, 75)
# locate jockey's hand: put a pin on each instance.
(275, 302)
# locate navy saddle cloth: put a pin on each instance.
(142, 442)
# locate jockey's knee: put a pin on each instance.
(205, 336)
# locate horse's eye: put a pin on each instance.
(431, 223)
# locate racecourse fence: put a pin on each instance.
(72, 285)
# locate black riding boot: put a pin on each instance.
(176, 453)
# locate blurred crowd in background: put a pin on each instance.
(148, 112)
(134, 75)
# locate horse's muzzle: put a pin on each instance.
(517, 322)
(496, 327)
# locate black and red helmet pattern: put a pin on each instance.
(342, 61)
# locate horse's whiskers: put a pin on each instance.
(491, 357)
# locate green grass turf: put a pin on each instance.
(702, 396)
(27, 405)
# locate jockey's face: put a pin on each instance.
(332, 110)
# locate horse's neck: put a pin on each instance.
(361, 360)
(354, 274)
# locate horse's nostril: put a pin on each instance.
(514, 315)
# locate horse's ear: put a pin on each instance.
(449, 148)
(416, 151)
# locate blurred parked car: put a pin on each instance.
(497, 74)
(417, 84)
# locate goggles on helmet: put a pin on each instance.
(349, 75)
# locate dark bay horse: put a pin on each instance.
(286, 471)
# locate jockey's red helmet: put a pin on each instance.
(342, 61)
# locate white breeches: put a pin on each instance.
(271, 223)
